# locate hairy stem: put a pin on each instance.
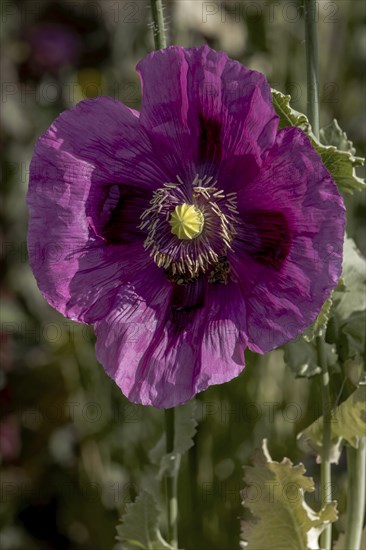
(356, 471)
(312, 64)
(158, 24)
(312, 73)
(325, 470)
(171, 481)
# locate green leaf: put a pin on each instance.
(351, 344)
(185, 427)
(353, 298)
(353, 369)
(139, 527)
(184, 430)
(288, 115)
(341, 165)
(140, 523)
(275, 497)
(348, 325)
(348, 423)
(333, 135)
(302, 357)
(338, 156)
(319, 326)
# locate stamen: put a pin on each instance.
(190, 228)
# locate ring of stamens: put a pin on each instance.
(185, 259)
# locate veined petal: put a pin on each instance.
(95, 162)
(211, 107)
(163, 351)
(288, 256)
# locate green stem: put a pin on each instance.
(312, 70)
(356, 468)
(158, 24)
(325, 470)
(312, 64)
(171, 481)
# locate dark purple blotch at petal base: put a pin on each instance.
(266, 236)
(273, 217)
(209, 141)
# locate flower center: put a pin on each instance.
(190, 227)
(186, 221)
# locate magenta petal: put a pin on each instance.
(162, 354)
(99, 139)
(88, 149)
(211, 107)
(290, 257)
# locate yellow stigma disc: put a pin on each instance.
(186, 221)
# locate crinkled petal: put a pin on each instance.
(163, 351)
(95, 165)
(211, 107)
(288, 256)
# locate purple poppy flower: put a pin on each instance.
(186, 232)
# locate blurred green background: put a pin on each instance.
(73, 449)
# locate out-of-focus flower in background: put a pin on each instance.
(9, 439)
(60, 37)
(52, 47)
